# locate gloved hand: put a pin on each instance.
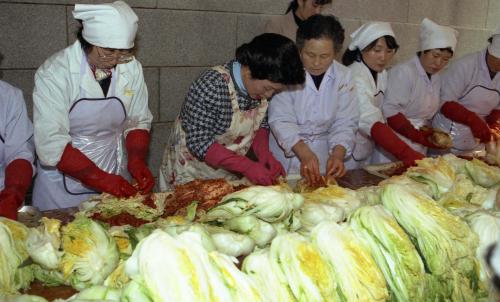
(76, 164)
(389, 141)
(458, 113)
(18, 175)
(260, 146)
(220, 157)
(403, 126)
(137, 145)
(493, 120)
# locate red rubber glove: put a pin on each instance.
(458, 113)
(76, 164)
(137, 145)
(402, 125)
(18, 175)
(493, 120)
(221, 157)
(260, 146)
(387, 139)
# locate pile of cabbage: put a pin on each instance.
(421, 236)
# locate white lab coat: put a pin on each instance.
(60, 82)
(16, 129)
(468, 82)
(321, 118)
(410, 92)
(370, 96)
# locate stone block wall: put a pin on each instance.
(178, 39)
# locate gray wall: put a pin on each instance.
(180, 38)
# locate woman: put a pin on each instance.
(412, 94)
(223, 116)
(16, 150)
(313, 127)
(87, 97)
(372, 47)
(470, 92)
(298, 11)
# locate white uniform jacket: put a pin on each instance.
(322, 118)
(16, 129)
(370, 96)
(468, 82)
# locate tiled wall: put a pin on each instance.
(180, 38)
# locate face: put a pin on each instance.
(317, 55)
(109, 57)
(378, 56)
(259, 89)
(493, 63)
(307, 8)
(434, 60)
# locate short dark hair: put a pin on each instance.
(294, 5)
(321, 27)
(448, 49)
(272, 57)
(351, 56)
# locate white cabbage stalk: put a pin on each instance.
(392, 250)
(344, 198)
(300, 264)
(260, 231)
(175, 269)
(464, 190)
(118, 278)
(313, 213)
(357, 274)
(437, 173)
(291, 224)
(121, 237)
(44, 242)
(231, 243)
(241, 286)
(369, 195)
(9, 260)
(22, 298)
(269, 203)
(206, 238)
(483, 174)
(259, 268)
(90, 253)
(486, 224)
(97, 293)
(135, 292)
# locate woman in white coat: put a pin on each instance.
(16, 150)
(87, 97)
(313, 126)
(297, 12)
(412, 96)
(372, 47)
(470, 92)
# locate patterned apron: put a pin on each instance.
(180, 166)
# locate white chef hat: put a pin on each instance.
(433, 35)
(110, 25)
(368, 33)
(494, 47)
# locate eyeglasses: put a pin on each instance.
(109, 54)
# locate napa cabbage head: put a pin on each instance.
(437, 173)
(90, 253)
(44, 242)
(343, 198)
(483, 174)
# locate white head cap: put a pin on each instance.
(110, 25)
(368, 33)
(433, 35)
(494, 47)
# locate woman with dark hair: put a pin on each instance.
(372, 47)
(313, 126)
(298, 11)
(87, 99)
(470, 92)
(223, 116)
(412, 94)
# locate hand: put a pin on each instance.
(480, 130)
(260, 146)
(274, 166)
(113, 184)
(309, 169)
(141, 173)
(258, 174)
(458, 113)
(423, 137)
(9, 204)
(335, 166)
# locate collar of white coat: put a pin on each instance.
(329, 74)
(421, 71)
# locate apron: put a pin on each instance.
(179, 166)
(96, 127)
(2, 162)
(464, 142)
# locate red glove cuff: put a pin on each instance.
(137, 144)
(493, 119)
(260, 143)
(18, 176)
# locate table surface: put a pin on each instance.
(353, 179)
